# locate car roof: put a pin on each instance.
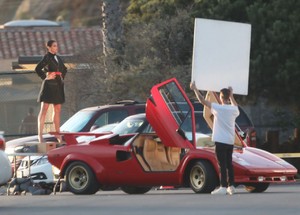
(111, 106)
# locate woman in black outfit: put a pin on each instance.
(52, 71)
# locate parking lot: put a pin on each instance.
(277, 200)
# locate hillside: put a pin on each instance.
(76, 12)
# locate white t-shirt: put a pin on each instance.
(224, 122)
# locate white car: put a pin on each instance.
(5, 165)
(40, 169)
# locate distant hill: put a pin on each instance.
(76, 12)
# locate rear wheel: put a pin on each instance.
(80, 179)
(135, 190)
(256, 187)
(202, 177)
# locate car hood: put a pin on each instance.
(257, 160)
(171, 114)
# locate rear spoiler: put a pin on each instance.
(70, 137)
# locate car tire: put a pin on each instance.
(80, 179)
(135, 190)
(256, 187)
(202, 177)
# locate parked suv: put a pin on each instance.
(84, 120)
(243, 124)
(91, 118)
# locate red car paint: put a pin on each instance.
(120, 160)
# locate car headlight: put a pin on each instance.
(260, 178)
(283, 178)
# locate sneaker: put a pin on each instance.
(231, 190)
(219, 191)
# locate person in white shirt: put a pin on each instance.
(223, 134)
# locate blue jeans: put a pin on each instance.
(224, 157)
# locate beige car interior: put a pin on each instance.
(153, 155)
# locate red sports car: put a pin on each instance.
(170, 156)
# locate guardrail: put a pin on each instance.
(288, 155)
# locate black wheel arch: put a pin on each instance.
(191, 163)
(70, 161)
(94, 184)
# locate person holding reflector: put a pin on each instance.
(223, 134)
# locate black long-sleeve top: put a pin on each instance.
(49, 64)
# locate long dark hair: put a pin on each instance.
(50, 42)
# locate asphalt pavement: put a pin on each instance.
(277, 200)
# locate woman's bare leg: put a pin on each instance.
(56, 120)
(41, 120)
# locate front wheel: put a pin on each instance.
(135, 190)
(202, 177)
(80, 179)
(256, 187)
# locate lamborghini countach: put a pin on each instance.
(169, 156)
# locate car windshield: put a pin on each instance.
(201, 125)
(243, 120)
(103, 129)
(130, 125)
(77, 122)
(127, 126)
